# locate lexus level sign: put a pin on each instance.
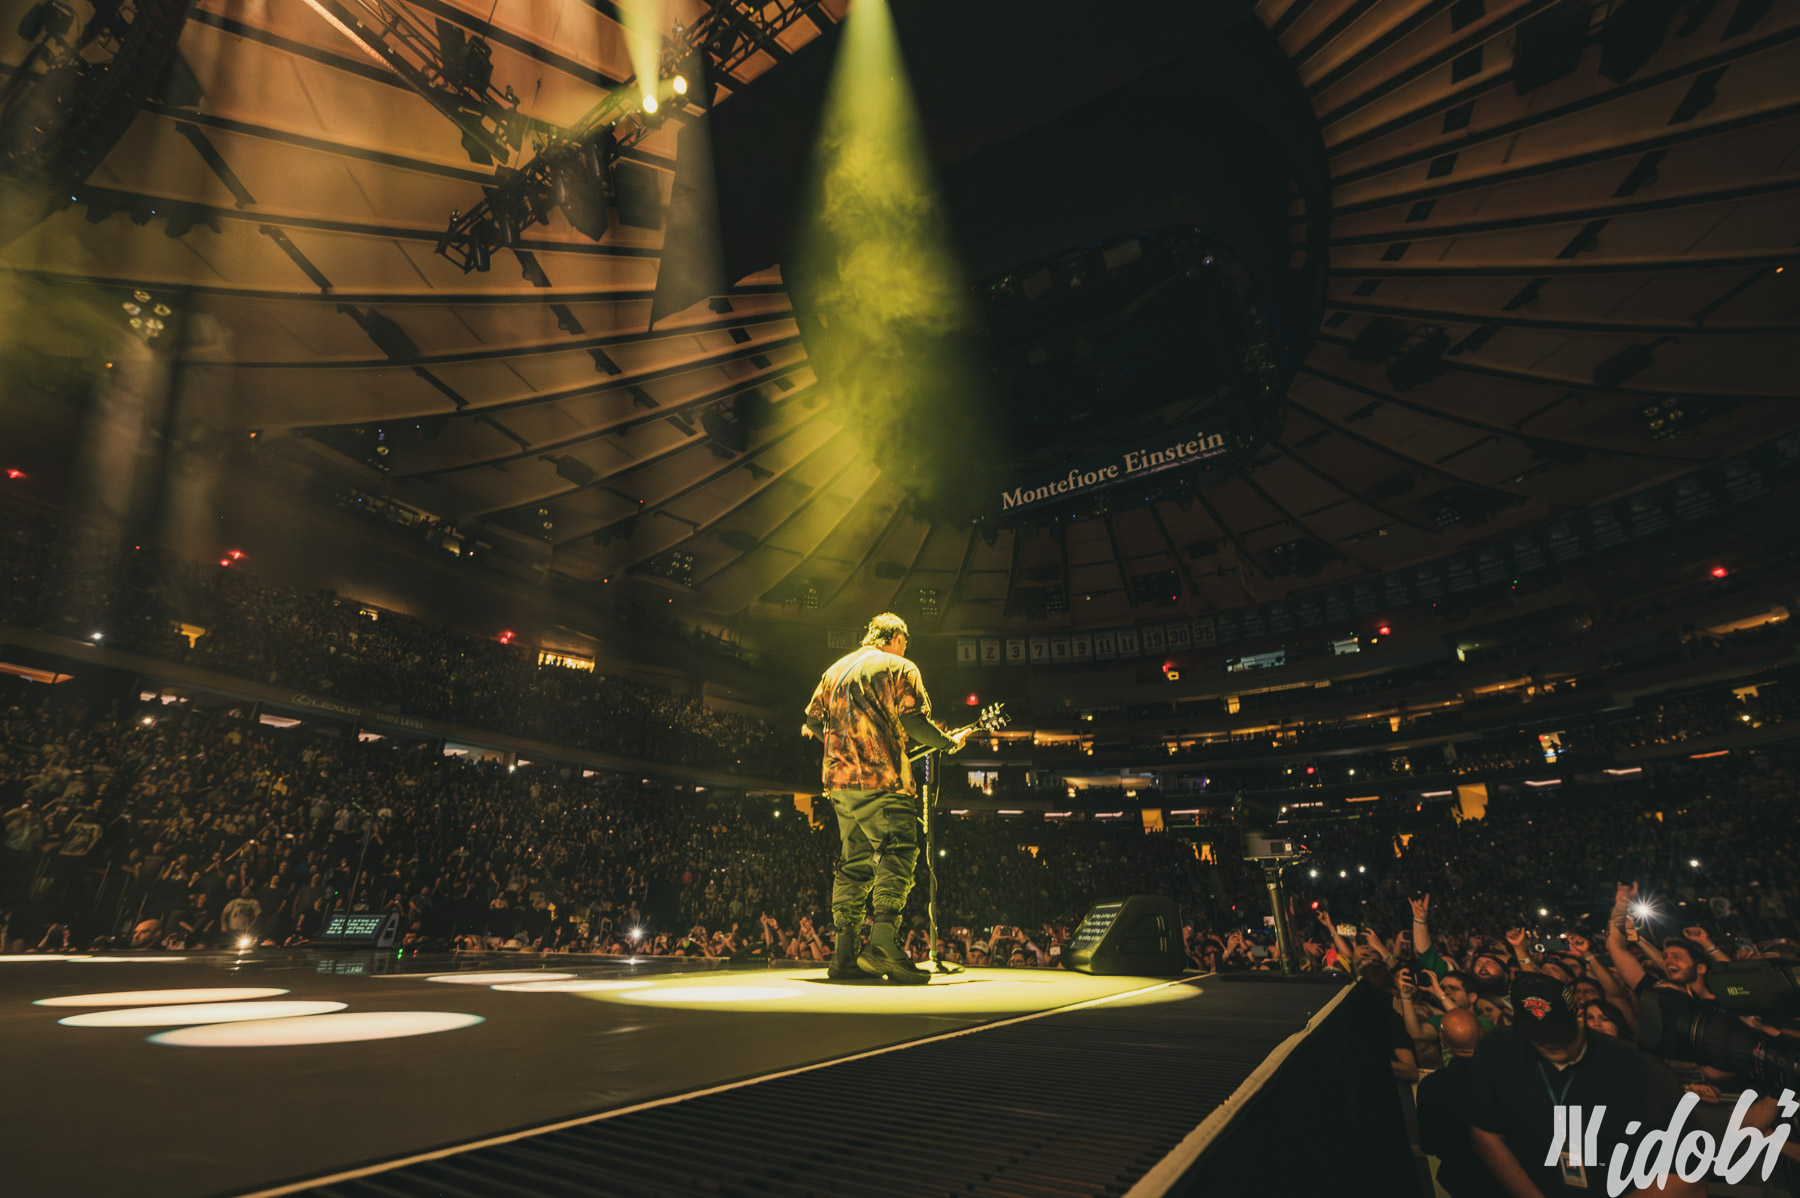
(1166, 451)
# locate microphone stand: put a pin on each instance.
(929, 793)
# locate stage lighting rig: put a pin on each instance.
(451, 70)
(74, 93)
(573, 168)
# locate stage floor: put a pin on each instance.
(112, 1092)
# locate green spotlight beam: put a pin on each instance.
(874, 256)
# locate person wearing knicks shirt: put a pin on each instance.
(1548, 1059)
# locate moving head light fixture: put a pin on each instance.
(575, 170)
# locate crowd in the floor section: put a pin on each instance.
(160, 827)
(135, 597)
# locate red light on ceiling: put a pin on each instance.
(973, 700)
(224, 561)
(1720, 572)
(235, 554)
(506, 637)
(15, 474)
(1384, 630)
(1315, 904)
(1309, 769)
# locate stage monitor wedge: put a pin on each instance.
(1140, 934)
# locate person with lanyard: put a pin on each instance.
(866, 708)
(1546, 1060)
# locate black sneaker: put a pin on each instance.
(883, 958)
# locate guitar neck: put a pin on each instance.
(922, 750)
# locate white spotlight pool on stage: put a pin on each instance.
(215, 1012)
(496, 977)
(161, 998)
(706, 994)
(570, 986)
(92, 960)
(342, 1028)
(9, 957)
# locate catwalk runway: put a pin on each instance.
(358, 1073)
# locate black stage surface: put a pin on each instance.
(623, 1054)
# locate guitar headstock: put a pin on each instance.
(993, 717)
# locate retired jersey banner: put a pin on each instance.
(967, 653)
(1165, 451)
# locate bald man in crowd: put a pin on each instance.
(1443, 1113)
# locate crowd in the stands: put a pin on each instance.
(177, 827)
(137, 599)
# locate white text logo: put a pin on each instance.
(1667, 1152)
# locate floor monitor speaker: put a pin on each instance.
(1140, 934)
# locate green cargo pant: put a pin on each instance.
(871, 822)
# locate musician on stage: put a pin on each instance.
(866, 707)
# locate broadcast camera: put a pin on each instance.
(1673, 1024)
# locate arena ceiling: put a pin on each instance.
(1539, 235)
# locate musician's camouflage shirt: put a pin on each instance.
(860, 701)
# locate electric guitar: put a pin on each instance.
(992, 717)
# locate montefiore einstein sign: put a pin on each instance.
(1168, 451)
